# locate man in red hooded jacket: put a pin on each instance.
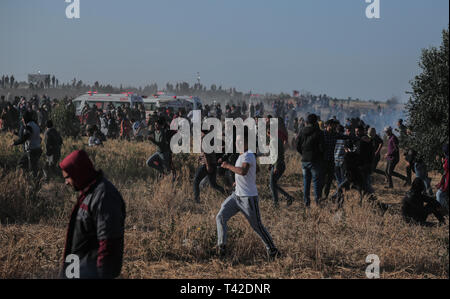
(96, 228)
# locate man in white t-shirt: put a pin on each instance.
(244, 199)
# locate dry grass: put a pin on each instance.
(169, 236)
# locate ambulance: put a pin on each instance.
(103, 100)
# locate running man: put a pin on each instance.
(244, 199)
(162, 159)
(277, 170)
(208, 168)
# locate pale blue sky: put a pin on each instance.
(322, 46)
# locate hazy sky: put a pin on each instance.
(322, 46)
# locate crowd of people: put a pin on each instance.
(344, 149)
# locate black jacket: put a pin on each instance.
(311, 144)
(53, 142)
(365, 152)
(96, 231)
(413, 207)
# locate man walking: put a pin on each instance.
(277, 169)
(96, 228)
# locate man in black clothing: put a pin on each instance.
(311, 147)
(365, 154)
(353, 175)
(277, 169)
(208, 168)
(97, 223)
(328, 167)
(31, 140)
(162, 159)
(418, 166)
(53, 143)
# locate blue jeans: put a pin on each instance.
(339, 172)
(311, 171)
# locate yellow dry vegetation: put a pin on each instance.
(168, 235)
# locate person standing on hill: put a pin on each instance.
(244, 199)
(96, 228)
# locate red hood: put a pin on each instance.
(80, 169)
(443, 185)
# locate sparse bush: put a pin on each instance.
(428, 107)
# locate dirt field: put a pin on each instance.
(169, 236)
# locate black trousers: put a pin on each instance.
(30, 160)
(390, 167)
(328, 174)
(408, 175)
(420, 215)
(200, 174)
